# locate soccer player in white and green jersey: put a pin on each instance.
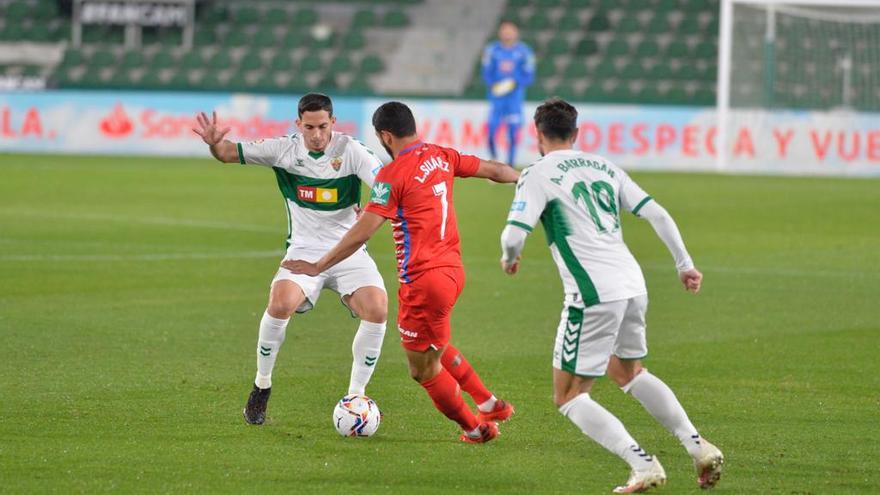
(578, 197)
(319, 172)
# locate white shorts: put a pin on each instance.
(586, 338)
(356, 271)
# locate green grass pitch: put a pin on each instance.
(131, 289)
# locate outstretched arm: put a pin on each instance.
(497, 171)
(222, 149)
(666, 229)
(513, 239)
(359, 233)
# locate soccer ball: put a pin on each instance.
(356, 416)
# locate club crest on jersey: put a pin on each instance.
(336, 163)
(316, 194)
(431, 165)
(299, 162)
(380, 193)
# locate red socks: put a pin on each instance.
(446, 395)
(464, 374)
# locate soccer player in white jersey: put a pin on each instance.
(319, 173)
(578, 198)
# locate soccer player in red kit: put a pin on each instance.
(414, 191)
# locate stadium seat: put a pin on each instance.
(647, 49)
(538, 21)
(569, 23)
(204, 36)
(587, 47)
(305, 17)
(617, 48)
(276, 15)
(598, 23)
(628, 24)
(576, 69)
(191, 60)
(676, 49)
(354, 40)
(236, 37)
(281, 63)
(264, 38)
(162, 59)
(556, 46)
(372, 64)
(310, 63)
(251, 62)
(102, 58)
(132, 59)
(245, 16)
(363, 18)
(659, 24)
(220, 60)
(341, 64)
(395, 19)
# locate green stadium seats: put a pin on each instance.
(102, 58)
(220, 60)
(647, 48)
(209, 14)
(371, 64)
(687, 72)
(689, 25)
(180, 81)
(151, 80)
(191, 60)
(661, 71)
(605, 69)
(707, 50)
(12, 32)
(39, 33)
(395, 19)
(576, 69)
(132, 59)
(236, 37)
(16, 12)
(162, 59)
(580, 4)
(569, 23)
(363, 18)
(305, 17)
(276, 15)
(310, 63)
(246, 15)
(204, 36)
(264, 38)
(620, 94)
(617, 48)
(594, 92)
(546, 68)
(72, 57)
(676, 49)
(359, 86)
(659, 24)
(354, 40)
(628, 24)
(251, 62)
(567, 91)
(587, 47)
(281, 63)
(341, 64)
(556, 46)
(704, 96)
(295, 38)
(632, 70)
(651, 95)
(324, 42)
(677, 96)
(538, 21)
(598, 23)
(515, 4)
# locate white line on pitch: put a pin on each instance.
(141, 257)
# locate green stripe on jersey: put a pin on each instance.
(301, 190)
(558, 229)
(641, 204)
(571, 339)
(240, 153)
(520, 225)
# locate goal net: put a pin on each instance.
(804, 75)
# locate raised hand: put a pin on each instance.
(208, 130)
(692, 280)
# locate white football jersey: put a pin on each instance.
(320, 189)
(578, 197)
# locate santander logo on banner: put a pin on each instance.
(116, 124)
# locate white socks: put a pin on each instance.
(659, 400)
(488, 405)
(605, 429)
(272, 331)
(365, 350)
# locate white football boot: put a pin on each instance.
(643, 480)
(708, 464)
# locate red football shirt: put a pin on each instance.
(415, 192)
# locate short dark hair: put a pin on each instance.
(396, 118)
(556, 119)
(314, 102)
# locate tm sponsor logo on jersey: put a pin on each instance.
(517, 206)
(431, 165)
(380, 192)
(317, 194)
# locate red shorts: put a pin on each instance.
(425, 307)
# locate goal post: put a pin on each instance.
(792, 62)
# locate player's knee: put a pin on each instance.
(377, 312)
(623, 372)
(280, 309)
